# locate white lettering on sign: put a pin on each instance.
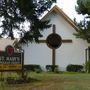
(2, 58)
(13, 58)
(10, 60)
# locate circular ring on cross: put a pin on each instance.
(54, 41)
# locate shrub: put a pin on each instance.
(74, 68)
(32, 67)
(51, 67)
(87, 66)
(37, 70)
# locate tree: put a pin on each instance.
(83, 7)
(84, 30)
(84, 26)
(14, 13)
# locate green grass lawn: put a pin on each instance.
(52, 81)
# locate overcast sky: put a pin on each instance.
(68, 6)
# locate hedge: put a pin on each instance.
(74, 68)
(51, 67)
(32, 67)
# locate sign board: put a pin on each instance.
(10, 60)
(54, 41)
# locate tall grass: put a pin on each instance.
(52, 81)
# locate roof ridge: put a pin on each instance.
(64, 15)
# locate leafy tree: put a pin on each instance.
(14, 13)
(83, 7)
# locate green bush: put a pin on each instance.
(37, 70)
(32, 67)
(51, 67)
(87, 66)
(74, 68)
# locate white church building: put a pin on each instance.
(71, 51)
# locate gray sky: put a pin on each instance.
(68, 6)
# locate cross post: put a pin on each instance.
(53, 49)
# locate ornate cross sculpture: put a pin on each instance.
(54, 41)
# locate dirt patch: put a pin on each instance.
(50, 84)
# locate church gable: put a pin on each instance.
(58, 11)
(65, 27)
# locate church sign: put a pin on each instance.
(10, 60)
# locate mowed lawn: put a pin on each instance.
(52, 81)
